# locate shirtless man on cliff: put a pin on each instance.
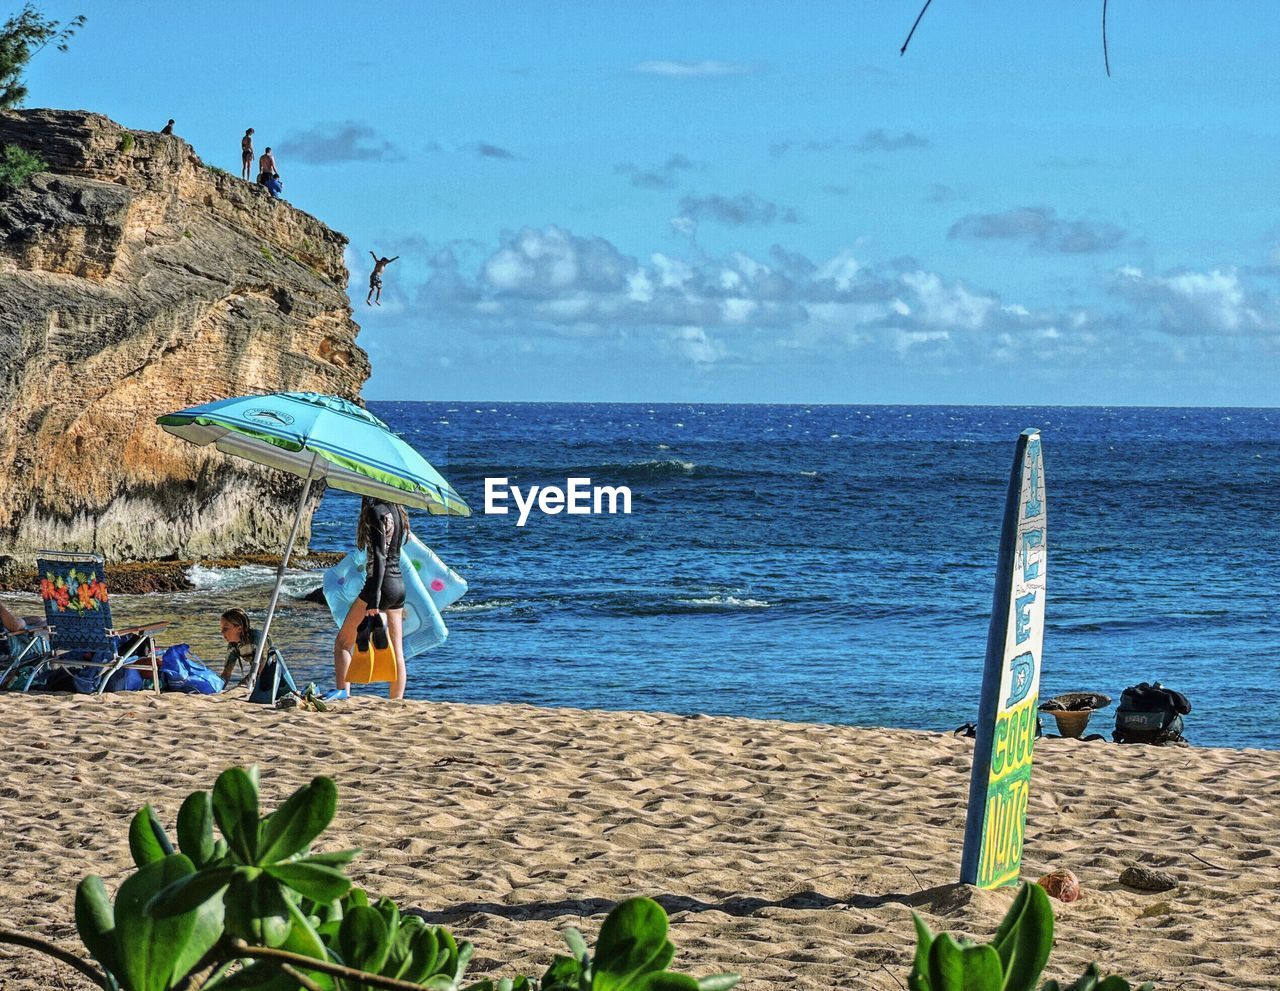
(375, 279)
(267, 165)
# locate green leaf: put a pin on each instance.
(1006, 934)
(205, 933)
(303, 817)
(390, 913)
(665, 980)
(423, 951)
(1031, 939)
(718, 982)
(195, 828)
(918, 979)
(256, 910)
(447, 954)
(632, 941)
(303, 937)
(315, 881)
(363, 940)
(953, 967)
(335, 858)
(188, 893)
(96, 922)
(147, 947)
(563, 972)
(465, 952)
(577, 944)
(400, 957)
(235, 807)
(147, 840)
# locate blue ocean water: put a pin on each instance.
(836, 563)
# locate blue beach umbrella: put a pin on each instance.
(317, 436)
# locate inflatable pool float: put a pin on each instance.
(429, 587)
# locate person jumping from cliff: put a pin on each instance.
(375, 279)
(246, 155)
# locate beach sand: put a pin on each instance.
(791, 853)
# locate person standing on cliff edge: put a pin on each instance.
(375, 279)
(246, 155)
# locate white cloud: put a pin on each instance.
(693, 70)
(738, 307)
(1195, 303)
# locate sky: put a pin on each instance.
(753, 202)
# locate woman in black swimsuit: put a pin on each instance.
(381, 532)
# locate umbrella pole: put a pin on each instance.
(275, 592)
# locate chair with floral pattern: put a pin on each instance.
(74, 589)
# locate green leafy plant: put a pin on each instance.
(243, 902)
(266, 253)
(1012, 961)
(17, 166)
(22, 37)
(126, 142)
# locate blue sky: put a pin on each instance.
(754, 202)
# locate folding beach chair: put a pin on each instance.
(74, 589)
(21, 654)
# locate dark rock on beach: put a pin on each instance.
(134, 281)
(1147, 879)
(143, 577)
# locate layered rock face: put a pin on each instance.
(134, 281)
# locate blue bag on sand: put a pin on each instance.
(86, 680)
(181, 671)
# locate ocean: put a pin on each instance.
(824, 563)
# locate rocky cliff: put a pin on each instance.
(135, 280)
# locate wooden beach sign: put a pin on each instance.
(1001, 780)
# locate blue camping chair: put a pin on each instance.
(24, 649)
(78, 614)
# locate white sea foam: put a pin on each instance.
(205, 579)
(482, 605)
(724, 602)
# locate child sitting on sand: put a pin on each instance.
(243, 640)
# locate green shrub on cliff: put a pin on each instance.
(21, 38)
(17, 166)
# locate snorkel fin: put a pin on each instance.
(384, 654)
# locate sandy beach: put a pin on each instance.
(792, 853)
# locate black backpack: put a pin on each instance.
(1150, 713)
